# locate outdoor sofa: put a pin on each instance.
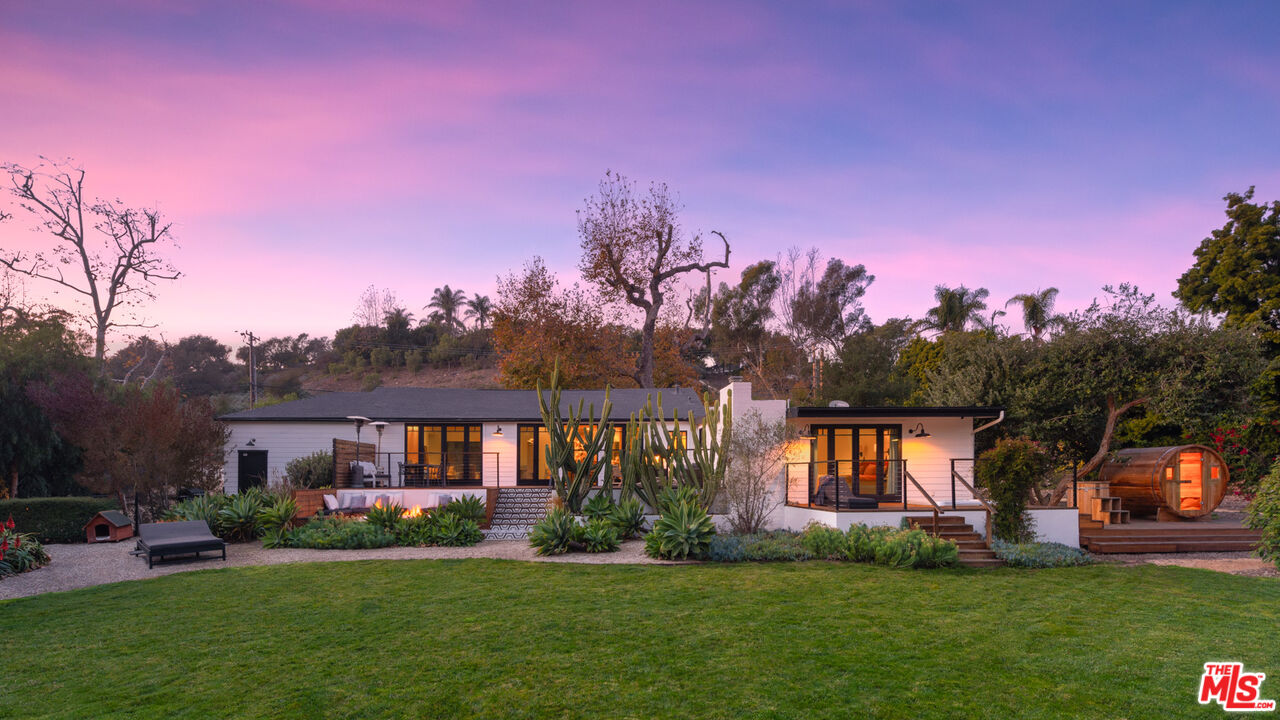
(831, 494)
(168, 539)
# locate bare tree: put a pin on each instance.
(113, 251)
(633, 248)
(757, 454)
(374, 305)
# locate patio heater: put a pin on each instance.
(359, 420)
(379, 425)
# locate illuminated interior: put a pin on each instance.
(1190, 478)
(871, 463)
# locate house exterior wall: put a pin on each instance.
(770, 411)
(928, 459)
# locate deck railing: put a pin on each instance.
(473, 469)
(846, 485)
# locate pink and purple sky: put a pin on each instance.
(308, 149)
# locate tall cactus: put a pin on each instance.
(573, 478)
(699, 463)
(641, 473)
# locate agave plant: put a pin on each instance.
(239, 518)
(467, 507)
(277, 515)
(553, 534)
(599, 506)
(628, 517)
(384, 516)
(684, 531)
(454, 531)
(202, 507)
(599, 535)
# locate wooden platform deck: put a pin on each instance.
(1225, 533)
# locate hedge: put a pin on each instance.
(54, 520)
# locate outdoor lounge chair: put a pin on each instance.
(845, 498)
(167, 539)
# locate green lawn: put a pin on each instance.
(484, 638)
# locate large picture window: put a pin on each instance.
(531, 460)
(443, 454)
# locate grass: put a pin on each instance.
(487, 638)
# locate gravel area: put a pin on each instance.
(83, 565)
(1235, 563)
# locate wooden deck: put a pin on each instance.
(1224, 533)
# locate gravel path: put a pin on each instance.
(83, 565)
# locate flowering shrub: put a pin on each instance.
(19, 552)
(1249, 449)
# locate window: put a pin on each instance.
(448, 454)
(531, 458)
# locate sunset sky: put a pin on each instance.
(306, 150)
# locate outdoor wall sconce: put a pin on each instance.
(498, 432)
(807, 433)
(919, 431)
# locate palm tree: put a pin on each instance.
(957, 308)
(398, 320)
(446, 302)
(480, 308)
(1037, 311)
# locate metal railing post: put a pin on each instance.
(903, 483)
(953, 483)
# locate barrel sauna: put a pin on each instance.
(1186, 481)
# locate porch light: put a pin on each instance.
(919, 431)
(807, 433)
(498, 432)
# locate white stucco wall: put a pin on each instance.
(1060, 525)
(770, 411)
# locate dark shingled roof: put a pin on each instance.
(400, 404)
(115, 517)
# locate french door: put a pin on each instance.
(867, 459)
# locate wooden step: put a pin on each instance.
(1179, 531)
(979, 558)
(1132, 545)
(942, 519)
(994, 562)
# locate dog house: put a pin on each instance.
(1186, 481)
(108, 526)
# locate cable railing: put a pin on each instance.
(424, 470)
(844, 485)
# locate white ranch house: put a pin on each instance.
(870, 465)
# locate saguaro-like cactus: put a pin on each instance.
(571, 477)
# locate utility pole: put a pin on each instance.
(248, 336)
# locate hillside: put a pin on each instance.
(473, 378)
